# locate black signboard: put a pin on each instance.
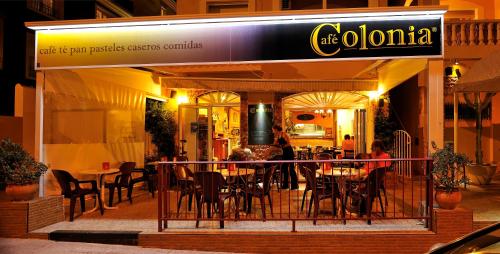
(260, 124)
(328, 39)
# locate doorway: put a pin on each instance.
(210, 129)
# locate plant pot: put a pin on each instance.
(448, 200)
(480, 174)
(15, 192)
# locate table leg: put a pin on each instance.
(103, 191)
(95, 208)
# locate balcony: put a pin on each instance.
(471, 39)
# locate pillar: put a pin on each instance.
(370, 123)
(40, 85)
(435, 103)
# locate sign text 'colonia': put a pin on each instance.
(327, 38)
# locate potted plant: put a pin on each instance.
(160, 123)
(19, 172)
(479, 172)
(448, 172)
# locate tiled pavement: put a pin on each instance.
(36, 246)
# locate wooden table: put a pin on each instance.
(99, 175)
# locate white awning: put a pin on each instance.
(269, 85)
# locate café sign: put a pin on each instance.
(414, 34)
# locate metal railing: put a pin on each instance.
(366, 190)
(472, 33)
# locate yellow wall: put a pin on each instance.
(483, 9)
(345, 124)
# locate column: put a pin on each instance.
(455, 122)
(40, 85)
(370, 123)
(435, 103)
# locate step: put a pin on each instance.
(93, 236)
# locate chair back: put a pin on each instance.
(268, 178)
(310, 176)
(325, 156)
(211, 183)
(64, 178)
(126, 171)
(375, 180)
(349, 154)
(181, 170)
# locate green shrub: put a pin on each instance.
(17, 166)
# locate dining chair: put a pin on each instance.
(210, 192)
(184, 184)
(302, 166)
(260, 190)
(276, 177)
(364, 191)
(122, 180)
(65, 180)
(349, 154)
(322, 191)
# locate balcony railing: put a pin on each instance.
(333, 192)
(41, 7)
(472, 33)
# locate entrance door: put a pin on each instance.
(208, 132)
(194, 132)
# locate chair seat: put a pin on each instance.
(84, 191)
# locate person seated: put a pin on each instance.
(361, 156)
(378, 152)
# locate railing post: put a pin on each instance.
(481, 34)
(472, 32)
(429, 202)
(159, 169)
(463, 37)
(454, 35)
(490, 33)
(498, 33)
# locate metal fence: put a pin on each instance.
(331, 190)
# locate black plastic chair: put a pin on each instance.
(185, 184)
(348, 154)
(276, 177)
(65, 180)
(209, 187)
(309, 165)
(260, 190)
(320, 191)
(121, 181)
(364, 191)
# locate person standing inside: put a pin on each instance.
(348, 147)
(282, 139)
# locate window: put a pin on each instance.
(45, 7)
(1, 43)
(30, 56)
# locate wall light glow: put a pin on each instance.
(182, 99)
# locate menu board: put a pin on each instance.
(260, 124)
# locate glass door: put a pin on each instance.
(194, 132)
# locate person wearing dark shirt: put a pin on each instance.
(282, 139)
